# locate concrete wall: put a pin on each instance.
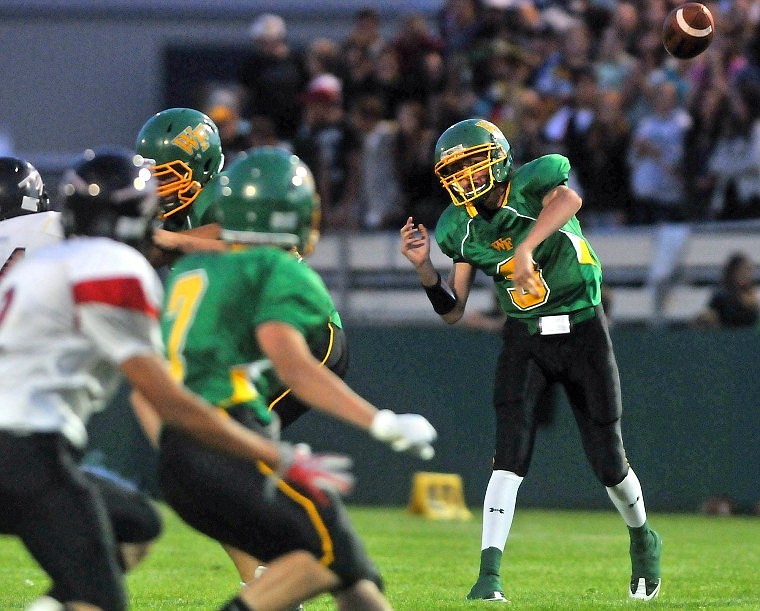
(691, 421)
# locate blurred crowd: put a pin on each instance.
(650, 138)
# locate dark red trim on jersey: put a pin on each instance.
(118, 292)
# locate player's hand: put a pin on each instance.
(316, 473)
(524, 276)
(405, 433)
(415, 242)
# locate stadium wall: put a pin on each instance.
(84, 73)
(691, 420)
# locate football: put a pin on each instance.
(688, 30)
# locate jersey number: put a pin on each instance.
(181, 307)
(521, 299)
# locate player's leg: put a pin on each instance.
(362, 595)
(233, 501)
(518, 385)
(134, 517)
(332, 352)
(294, 576)
(62, 521)
(594, 394)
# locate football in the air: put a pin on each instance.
(688, 30)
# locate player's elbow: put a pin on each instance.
(453, 316)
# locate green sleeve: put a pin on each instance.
(448, 233)
(296, 295)
(536, 178)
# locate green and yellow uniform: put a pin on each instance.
(213, 303)
(568, 269)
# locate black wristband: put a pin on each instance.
(443, 301)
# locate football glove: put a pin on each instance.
(315, 473)
(405, 433)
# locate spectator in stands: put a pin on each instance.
(555, 77)
(458, 25)
(656, 159)
(530, 142)
(567, 128)
(223, 107)
(328, 143)
(381, 191)
(707, 107)
(734, 162)
(735, 302)
(365, 34)
(614, 65)
(506, 68)
(273, 76)
(389, 81)
(412, 149)
(606, 183)
(322, 57)
(415, 43)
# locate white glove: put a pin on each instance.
(405, 433)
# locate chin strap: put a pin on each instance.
(473, 212)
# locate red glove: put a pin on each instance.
(316, 473)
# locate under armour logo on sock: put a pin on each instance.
(636, 501)
(492, 509)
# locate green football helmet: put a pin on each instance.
(268, 197)
(464, 150)
(185, 152)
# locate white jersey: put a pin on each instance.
(70, 313)
(25, 233)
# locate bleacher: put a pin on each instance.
(655, 275)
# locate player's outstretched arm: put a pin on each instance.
(297, 368)
(178, 406)
(173, 404)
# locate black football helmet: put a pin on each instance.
(109, 192)
(21, 189)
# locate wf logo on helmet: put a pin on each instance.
(190, 140)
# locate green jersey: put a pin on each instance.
(567, 268)
(213, 304)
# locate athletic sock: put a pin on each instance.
(629, 500)
(499, 509)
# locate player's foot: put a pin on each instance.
(645, 568)
(45, 603)
(488, 587)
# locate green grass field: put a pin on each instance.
(554, 560)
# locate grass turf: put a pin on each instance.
(553, 560)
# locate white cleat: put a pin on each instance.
(644, 589)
